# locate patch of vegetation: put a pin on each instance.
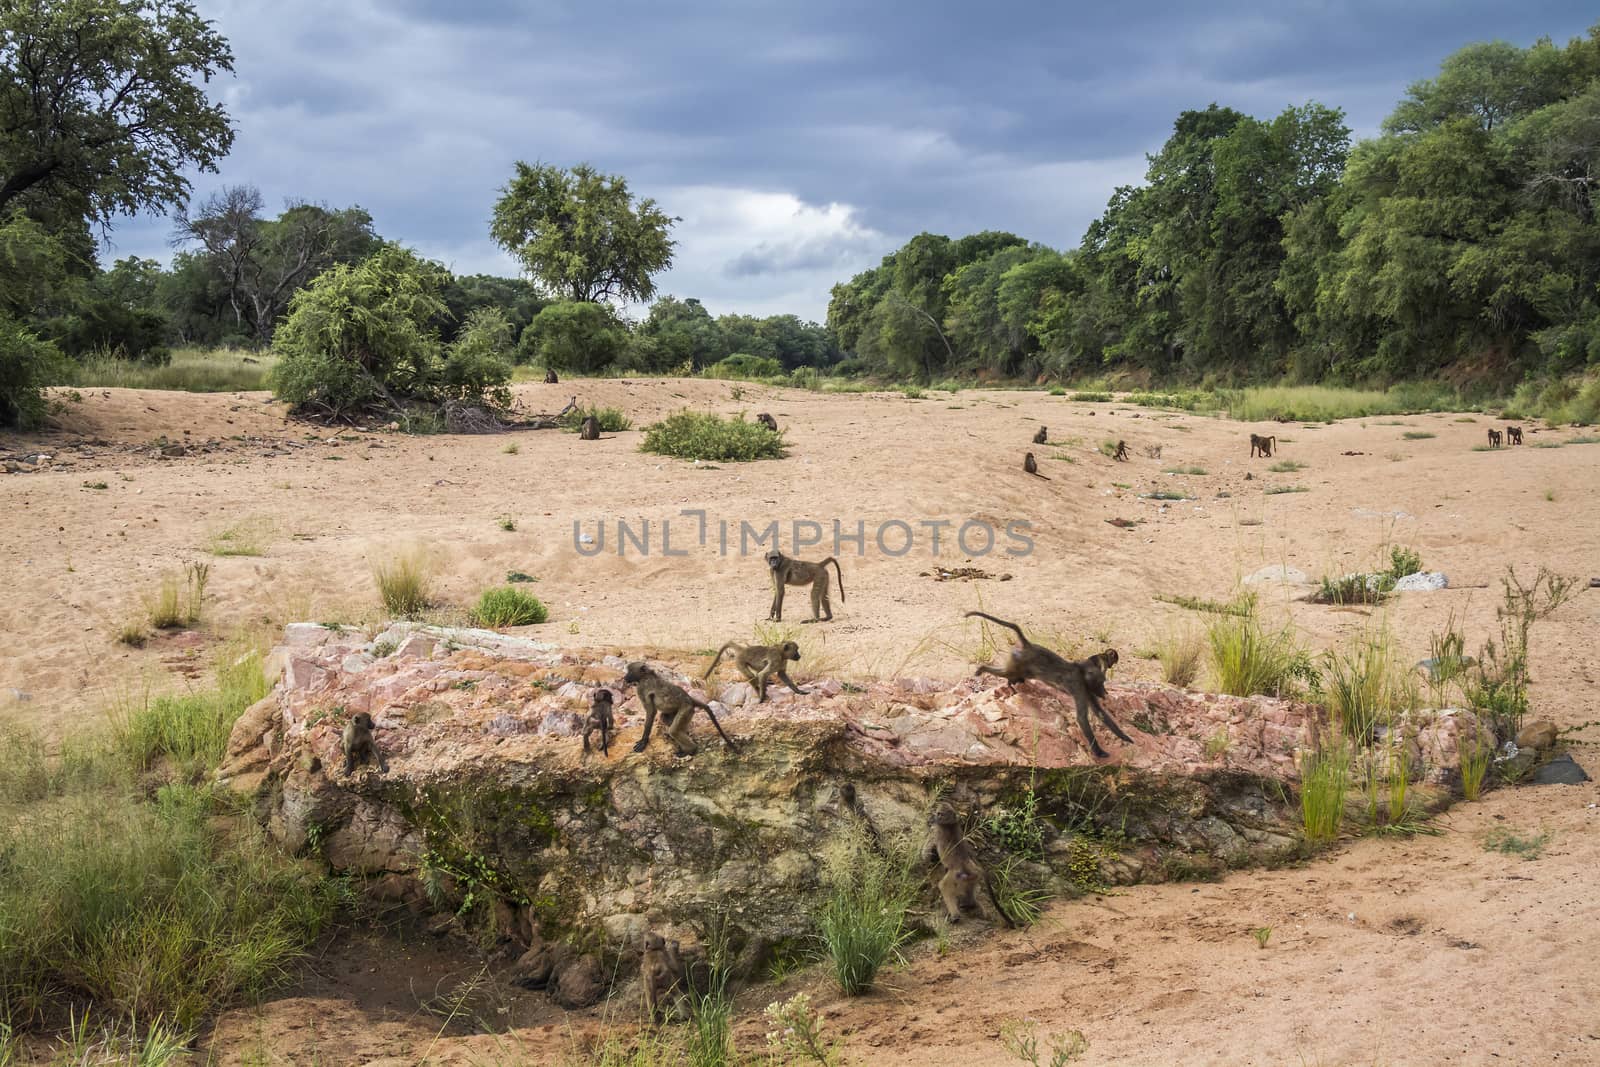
(1354, 589)
(403, 583)
(1165, 494)
(1509, 842)
(1243, 604)
(1475, 754)
(1181, 652)
(512, 449)
(1403, 562)
(612, 420)
(1184, 470)
(1287, 466)
(1324, 781)
(1275, 490)
(189, 731)
(1246, 660)
(1262, 934)
(1499, 685)
(514, 577)
(1217, 744)
(179, 599)
(247, 538)
(1092, 398)
(1367, 685)
(711, 438)
(863, 920)
(96, 485)
(508, 607)
(190, 370)
(1022, 1041)
(912, 392)
(507, 523)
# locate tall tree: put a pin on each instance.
(580, 233)
(103, 102)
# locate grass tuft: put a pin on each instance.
(1181, 652)
(1246, 660)
(191, 370)
(1324, 781)
(179, 599)
(863, 920)
(508, 607)
(612, 420)
(403, 583)
(1287, 466)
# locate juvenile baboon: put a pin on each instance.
(600, 718)
(758, 663)
(962, 871)
(1495, 439)
(1514, 434)
(1085, 680)
(1042, 436)
(1121, 454)
(589, 429)
(359, 745)
(676, 708)
(1264, 445)
(768, 421)
(660, 976)
(550, 376)
(1030, 465)
(787, 571)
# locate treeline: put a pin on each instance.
(1461, 243)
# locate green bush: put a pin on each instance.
(359, 341)
(27, 365)
(508, 607)
(1248, 661)
(708, 437)
(577, 336)
(744, 365)
(863, 921)
(612, 420)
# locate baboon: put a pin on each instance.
(1121, 455)
(1495, 439)
(962, 871)
(768, 421)
(1085, 680)
(676, 708)
(660, 976)
(589, 429)
(359, 745)
(788, 571)
(1264, 445)
(600, 718)
(550, 377)
(1514, 434)
(758, 663)
(1042, 436)
(1032, 466)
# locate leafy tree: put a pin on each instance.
(679, 332)
(577, 336)
(261, 263)
(359, 342)
(32, 266)
(515, 298)
(103, 103)
(580, 233)
(27, 365)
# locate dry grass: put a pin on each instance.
(403, 583)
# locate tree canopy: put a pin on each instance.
(580, 233)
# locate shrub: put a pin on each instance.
(1367, 684)
(1181, 653)
(863, 921)
(508, 607)
(744, 365)
(1354, 589)
(403, 584)
(1403, 562)
(1091, 398)
(576, 336)
(27, 365)
(1324, 780)
(1247, 661)
(704, 436)
(359, 341)
(612, 420)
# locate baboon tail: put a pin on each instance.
(838, 572)
(718, 658)
(994, 898)
(1001, 622)
(713, 717)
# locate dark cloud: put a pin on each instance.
(798, 141)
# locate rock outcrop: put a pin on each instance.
(488, 790)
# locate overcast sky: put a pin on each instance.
(797, 141)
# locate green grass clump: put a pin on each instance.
(191, 370)
(247, 538)
(1287, 466)
(1354, 589)
(1184, 470)
(403, 584)
(1181, 653)
(1246, 660)
(180, 599)
(863, 921)
(1418, 435)
(1187, 401)
(1165, 494)
(1243, 605)
(1092, 398)
(1509, 842)
(1327, 403)
(1056, 390)
(612, 420)
(508, 607)
(707, 437)
(189, 730)
(1277, 490)
(1367, 685)
(1324, 781)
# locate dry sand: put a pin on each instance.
(1454, 954)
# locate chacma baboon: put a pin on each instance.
(600, 718)
(589, 429)
(676, 708)
(1121, 454)
(1031, 465)
(962, 871)
(1263, 445)
(768, 421)
(660, 976)
(1084, 680)
(1495, 439)
(758, 663)
(786, 571)
(550, 376)
(1514, 434)
(1042, 436)
(359, 745)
